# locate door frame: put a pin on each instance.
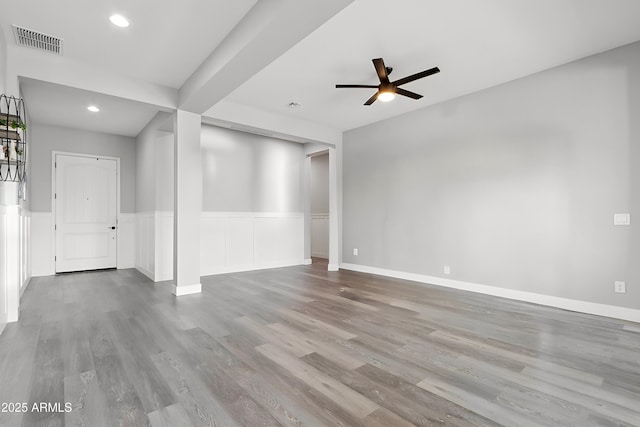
(53, 198)
(335, 204)
(310, 156)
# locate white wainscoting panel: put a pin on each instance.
(126, 240)
(14, 260)
(212, 243)
(4, 300)
(154, 245)
(42, 249)
(145, 243)
(238, 244)
(25, 252)
(291, 240)
(242, 241)
(164, 246)
(229, 242)
(320, 235)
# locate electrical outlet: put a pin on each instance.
(355, 251)
(622, 219)
(620, 287)
(447, 269)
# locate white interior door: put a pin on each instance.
(86, 213)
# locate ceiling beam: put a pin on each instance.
(267, 31)
(246, 118)
(32, 64)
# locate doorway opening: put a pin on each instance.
(319, 198)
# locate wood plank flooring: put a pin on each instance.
(303, 346)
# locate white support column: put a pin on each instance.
(187, 203)
(334, 240)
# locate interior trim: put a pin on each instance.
(587, 307)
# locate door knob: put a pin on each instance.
(113, 227)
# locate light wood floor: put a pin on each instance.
(303, 346)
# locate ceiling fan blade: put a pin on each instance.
(413, 95)
(381, 70)
(372, 99)
(350, 86)
(417, 76)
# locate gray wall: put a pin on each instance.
(45, 139)
(514, 186)
(164, 172)
(320, 184)
(146, 171)
(243, 172)
(154, 171)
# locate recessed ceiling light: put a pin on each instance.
(93, 108)
(119, 20)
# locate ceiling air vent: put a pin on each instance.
(37, 40)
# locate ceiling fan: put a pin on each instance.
(387, 90)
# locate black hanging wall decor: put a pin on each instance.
(13, 139)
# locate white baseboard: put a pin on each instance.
(187, 290)
(322, 255)
(253, 267)
(146, 272)
(308, 261)
(333, 267)
(24, 286)
(587, 307)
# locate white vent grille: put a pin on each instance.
(37, 40)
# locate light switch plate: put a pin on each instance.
(620, 287)
(621, 219)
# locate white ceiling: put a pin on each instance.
(117, 115)
(165, 43)
(476, 44)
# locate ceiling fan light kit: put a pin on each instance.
(386, 95)
(387, 90)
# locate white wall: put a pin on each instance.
(513, 187)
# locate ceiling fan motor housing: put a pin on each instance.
(387, 87)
